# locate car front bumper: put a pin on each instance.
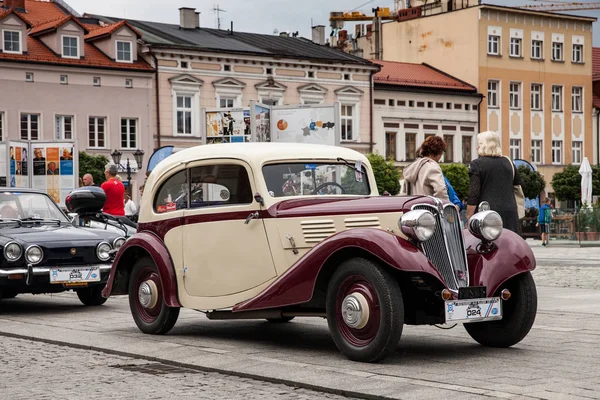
(31, 275)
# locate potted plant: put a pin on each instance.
(583, 218)
(594, 214)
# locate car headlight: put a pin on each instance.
(103, 251)
(418, 225)
(13, 251)
(118, 242)
(486, 225)
(34, 254)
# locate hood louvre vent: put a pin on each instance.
(318, 230)
(362, 222)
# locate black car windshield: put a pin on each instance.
(29, 206)
(309, 179)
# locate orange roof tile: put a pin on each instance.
(417, 75)
(596, 63)
(52, 25)
(109, 29)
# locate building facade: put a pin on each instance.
(534, 68)
(414, 101)
(66, 78)
(200, 68)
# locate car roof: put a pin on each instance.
(21, 190)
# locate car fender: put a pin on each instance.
(511, 256)
(152, 245)
(297, 284)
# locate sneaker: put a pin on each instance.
(544, 244)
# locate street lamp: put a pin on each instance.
(138, 155)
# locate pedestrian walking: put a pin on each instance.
(544, 218)
(492, 179)
(425, 176)
(88, 180)
(114, 190)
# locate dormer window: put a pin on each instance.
(70, 47)
(11, 41)
(124, 53)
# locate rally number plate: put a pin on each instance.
(74, 275)
(473, 310)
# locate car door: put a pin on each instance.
(225, 244)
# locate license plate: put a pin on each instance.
(74, 275)
(473, 310)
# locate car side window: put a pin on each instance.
(173, 194)
(219, 185)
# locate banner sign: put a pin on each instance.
(53, 169)
(316, 124)
(227, 125)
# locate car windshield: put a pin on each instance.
(29, 206)
(306, 179)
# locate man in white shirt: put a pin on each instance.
(130, 208)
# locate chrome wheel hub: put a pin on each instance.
(148, 294)
(355, 311)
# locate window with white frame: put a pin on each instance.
(226, 103)
(537, 49)
(12, 42)
(515, 47)
(557, 102)
(494, 45)
(536, 151)
(70, 46)
(576, 147)
(30, 126)
(1, 125)
(269, 102)
(347, 121)
(577, 53)
(557, 146)
(493, 90)
(514, 95)
(184, 114)
(515, 149)
(576, 99)
(63, 127)
(124, 53)
(129, 133)
(557, 51)
(536, 96)
(97, 132)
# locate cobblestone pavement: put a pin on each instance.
(45, 371)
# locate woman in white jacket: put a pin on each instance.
(425, 175)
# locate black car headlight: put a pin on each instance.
(13, 251)
(103, 251)
(486, 225)
(418, 225)
(34, 255)
(118, 242)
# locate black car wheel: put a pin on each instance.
(8, 293)
(518, 315)
(146, 300)
(280, 320)
(91, 296)
(365, 312)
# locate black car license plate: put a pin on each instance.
(472, 292)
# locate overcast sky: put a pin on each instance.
(260, 16)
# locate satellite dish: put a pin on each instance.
(275, 31)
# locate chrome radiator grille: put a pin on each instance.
(446, 248)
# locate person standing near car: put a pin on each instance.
(425, 175)
(115, 192)
(130, 208)
(544, 220)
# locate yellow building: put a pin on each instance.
(534, 68)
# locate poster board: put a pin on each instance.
(3, 164)
(315, 124)
(19, 165)
(260, 123)
(226, 125)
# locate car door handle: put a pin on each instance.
(252, 216)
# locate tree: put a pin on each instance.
(533, 182)
(89, 164)
(567, 184)
(387, 175)
(458, 175)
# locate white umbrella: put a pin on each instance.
(586, 182)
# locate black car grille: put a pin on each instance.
(63, 255)
(446, 248)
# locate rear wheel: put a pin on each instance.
(146, 300)
(365, 312)
(518, 315)
(91, 296)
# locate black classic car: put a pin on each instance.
(43, 252)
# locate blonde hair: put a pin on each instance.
(489, 144)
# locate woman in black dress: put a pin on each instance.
(492, 180)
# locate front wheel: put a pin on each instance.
(91, 296)
(146, 300)
(518, 315)
(365, 311)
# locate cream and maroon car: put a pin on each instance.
(277, 231)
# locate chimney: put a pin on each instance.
(197, 20)
(284, 34)
(318, 34)
(17, 5)
(187, 18)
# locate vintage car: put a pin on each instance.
(45, 253)
(277, 231)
